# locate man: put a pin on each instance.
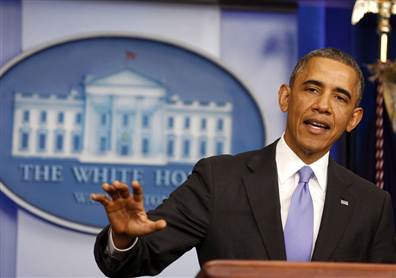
(286, 201)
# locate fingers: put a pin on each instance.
(110, 190)
(122, 188)
(104, 200)
(116, 190)
(137, 191)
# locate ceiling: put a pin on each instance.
(259, 4)
(246, 4)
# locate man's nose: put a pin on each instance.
(322, 104)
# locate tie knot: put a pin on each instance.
(305, 174)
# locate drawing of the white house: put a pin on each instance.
(124, 117)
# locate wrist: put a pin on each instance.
(122, 241)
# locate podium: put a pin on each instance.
(282, 269)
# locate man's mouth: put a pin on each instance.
(317, 124)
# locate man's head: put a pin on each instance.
(333, 54)
(321, 102)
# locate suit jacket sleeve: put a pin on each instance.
(383, 246)
(187, 212)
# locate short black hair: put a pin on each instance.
(333, 54)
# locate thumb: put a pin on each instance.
(158, 225)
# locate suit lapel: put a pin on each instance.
(337, 211)
(261, 185)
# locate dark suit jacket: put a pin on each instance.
(229, 209)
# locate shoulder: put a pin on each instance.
(237, 162)
(358, 186)
(237, 158)
(225, 164)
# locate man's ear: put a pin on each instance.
(355, 119)
(283, 97)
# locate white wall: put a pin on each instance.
(257, 56)
(46, 20)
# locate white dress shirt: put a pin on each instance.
(117, 253)
(287, 165)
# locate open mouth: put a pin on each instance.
(317, 124)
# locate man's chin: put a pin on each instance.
(315, 149)
(316, 145)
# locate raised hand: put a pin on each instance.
(126, 213)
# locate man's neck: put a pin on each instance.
(308, 157)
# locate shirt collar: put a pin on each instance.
(288, 163)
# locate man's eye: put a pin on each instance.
(312, 90)
(341, 98)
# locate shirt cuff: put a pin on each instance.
(115, 252)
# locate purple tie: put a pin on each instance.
(299, 225)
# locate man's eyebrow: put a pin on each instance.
(320, 84)
(313, 82)
(344, 92)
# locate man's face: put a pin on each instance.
(320, 106)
